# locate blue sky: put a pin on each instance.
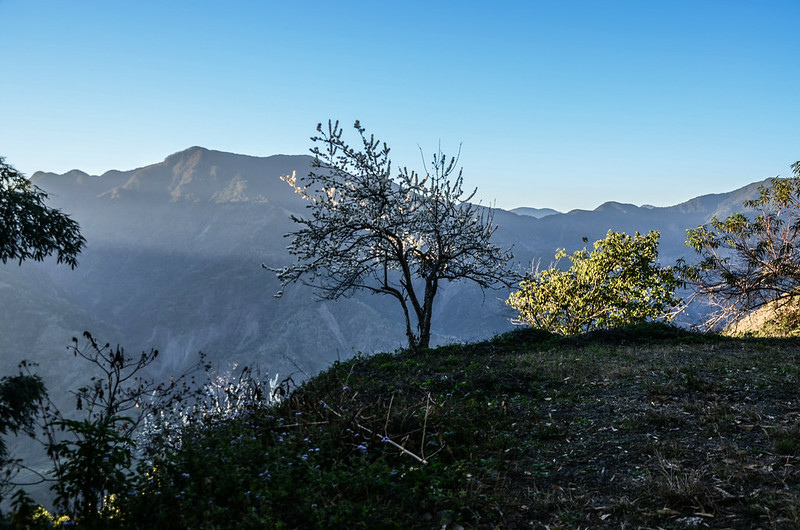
(563, 104)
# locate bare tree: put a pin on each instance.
(747, 264)
(395, 235)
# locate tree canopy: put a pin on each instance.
(29, 229)
(750, 262)
(397, 234)
(619, 282)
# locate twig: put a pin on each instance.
(384, 439)
(388, 412)
(304, 424)
(425, 425)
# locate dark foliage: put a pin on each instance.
(20, 396)
(28, 228)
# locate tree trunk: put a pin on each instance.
(424, 319)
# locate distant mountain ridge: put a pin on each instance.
(534, 212)
(196, 174)
(173, 262)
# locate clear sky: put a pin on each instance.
(561, 104)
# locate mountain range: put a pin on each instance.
(173, 262)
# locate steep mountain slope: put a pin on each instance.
(173, 261)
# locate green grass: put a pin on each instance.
(641, 427)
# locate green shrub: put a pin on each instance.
(617, 283)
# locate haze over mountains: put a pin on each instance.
(534, 212)
(173, 262)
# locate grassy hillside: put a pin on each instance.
(644, 427)
(770, 320)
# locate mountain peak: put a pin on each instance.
(191, 152)
(613, 205)
(198, 174)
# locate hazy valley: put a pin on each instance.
(173, 262)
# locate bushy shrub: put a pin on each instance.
(619, 282)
